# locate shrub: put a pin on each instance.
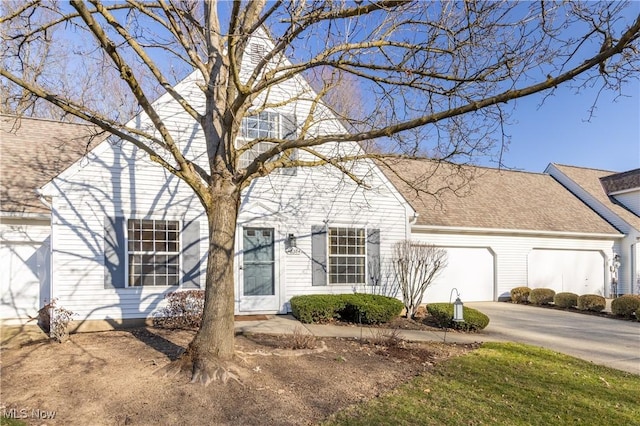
(520, 294)
(474, 320)
(565, 300)
(591, 302)
(54, 320)
(626, 305)
(365, 308)
(184, 310)
(541, 296)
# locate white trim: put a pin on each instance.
(624, 191)
(21, 215)
(503, 231)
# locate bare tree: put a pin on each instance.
(416, 266)
(438, 79)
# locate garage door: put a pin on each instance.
(470, 271)
(580, 272)
(22, 265)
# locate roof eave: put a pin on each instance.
(506, 231)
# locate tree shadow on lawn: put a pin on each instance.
(166, 347)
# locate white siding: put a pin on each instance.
(630, 199)
(512, 252)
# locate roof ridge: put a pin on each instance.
(586, 168)
(475, 166)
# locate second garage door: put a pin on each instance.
(580, 272)
(470, 270)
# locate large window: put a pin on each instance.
(347, 255)
(154, 252)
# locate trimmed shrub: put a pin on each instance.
(364, 308)
(565, 300)
(318, 308)
(370, 308)
(520, 294)
(591, 302)
(626, 305)
(474, 320)
(541, 296)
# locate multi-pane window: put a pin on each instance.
(154, 252)
(265, 125)
(347, 257)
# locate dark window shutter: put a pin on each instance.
(373, 255)
(191, 254)
(318, 255)
(289, 132)
(114, 252)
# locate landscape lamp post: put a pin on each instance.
(458, 311)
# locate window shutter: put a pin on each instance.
(191, 254)
(289, 128)
(373, 255)
(114, 252)
(318, 255)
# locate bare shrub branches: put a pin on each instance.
(416, 266)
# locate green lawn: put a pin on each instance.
(507, 384)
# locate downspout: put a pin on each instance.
(43, 199)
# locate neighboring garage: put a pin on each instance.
(470, 270)
(580, 272)
(24, 278)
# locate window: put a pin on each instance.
(347, 255)
(154, 252)
(266, 125)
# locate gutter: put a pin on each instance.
(24, 215)
(503, 231)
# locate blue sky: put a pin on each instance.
(559, 131)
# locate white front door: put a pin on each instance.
(258, 280)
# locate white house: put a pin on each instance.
(108, 233)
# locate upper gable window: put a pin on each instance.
(266, 125)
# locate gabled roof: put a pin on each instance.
(593, 182)
(34, 151)
(621, 181)
(485, 198)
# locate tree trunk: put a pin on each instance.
(209, 353)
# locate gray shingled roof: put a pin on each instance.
(491, 198)
(34, 151)
(591, 180)
(621, 181)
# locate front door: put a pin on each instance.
(258, 272)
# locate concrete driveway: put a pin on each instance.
(604, 341)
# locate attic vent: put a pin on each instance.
(256, 52)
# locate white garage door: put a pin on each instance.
(580, 272)
(470, 271)
(22, 265)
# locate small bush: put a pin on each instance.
(474, 320)
(364, 308)
(565, 300)
(626, 305)
(184, 310)
(54, 320)
(591, 302)
(520, 294)
(541, 296)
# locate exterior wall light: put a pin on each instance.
(291, 240)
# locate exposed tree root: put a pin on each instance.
(206, 371)
(285, 352)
